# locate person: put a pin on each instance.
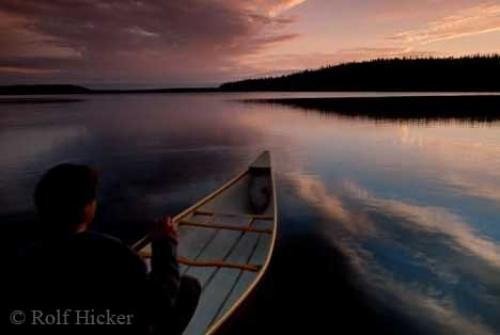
(85, 274)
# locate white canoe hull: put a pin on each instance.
(226, 242)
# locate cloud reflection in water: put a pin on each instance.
(439, 226)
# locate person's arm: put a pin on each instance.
(164, 267)
(164, 276)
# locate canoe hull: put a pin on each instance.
(226, 242)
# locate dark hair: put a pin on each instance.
(62, 194)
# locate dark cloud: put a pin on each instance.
(163, 41)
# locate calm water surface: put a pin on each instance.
(412, 209)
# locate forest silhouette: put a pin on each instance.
(471, 74)
(464, 74)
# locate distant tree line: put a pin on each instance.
(43, 89)
(472, 73)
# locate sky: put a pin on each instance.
(206, 42)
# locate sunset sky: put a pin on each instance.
(206, 42)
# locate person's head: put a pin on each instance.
(65, 198)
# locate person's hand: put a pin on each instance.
(165, 228)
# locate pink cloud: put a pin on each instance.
(475, 20)
(208, 42)
(169, 41)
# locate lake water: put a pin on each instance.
(403, 215)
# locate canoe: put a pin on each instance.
(226, 240)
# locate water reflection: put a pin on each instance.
(395, 223)
(374, 228)
(397, 196)
(471, 108)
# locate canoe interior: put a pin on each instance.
(225, 229)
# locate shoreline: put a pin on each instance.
(30, 90)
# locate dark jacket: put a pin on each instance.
(98, 273)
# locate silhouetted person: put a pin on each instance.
(73, 269)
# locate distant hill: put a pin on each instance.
(43, 89)
(75, 89)
(475, 73)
